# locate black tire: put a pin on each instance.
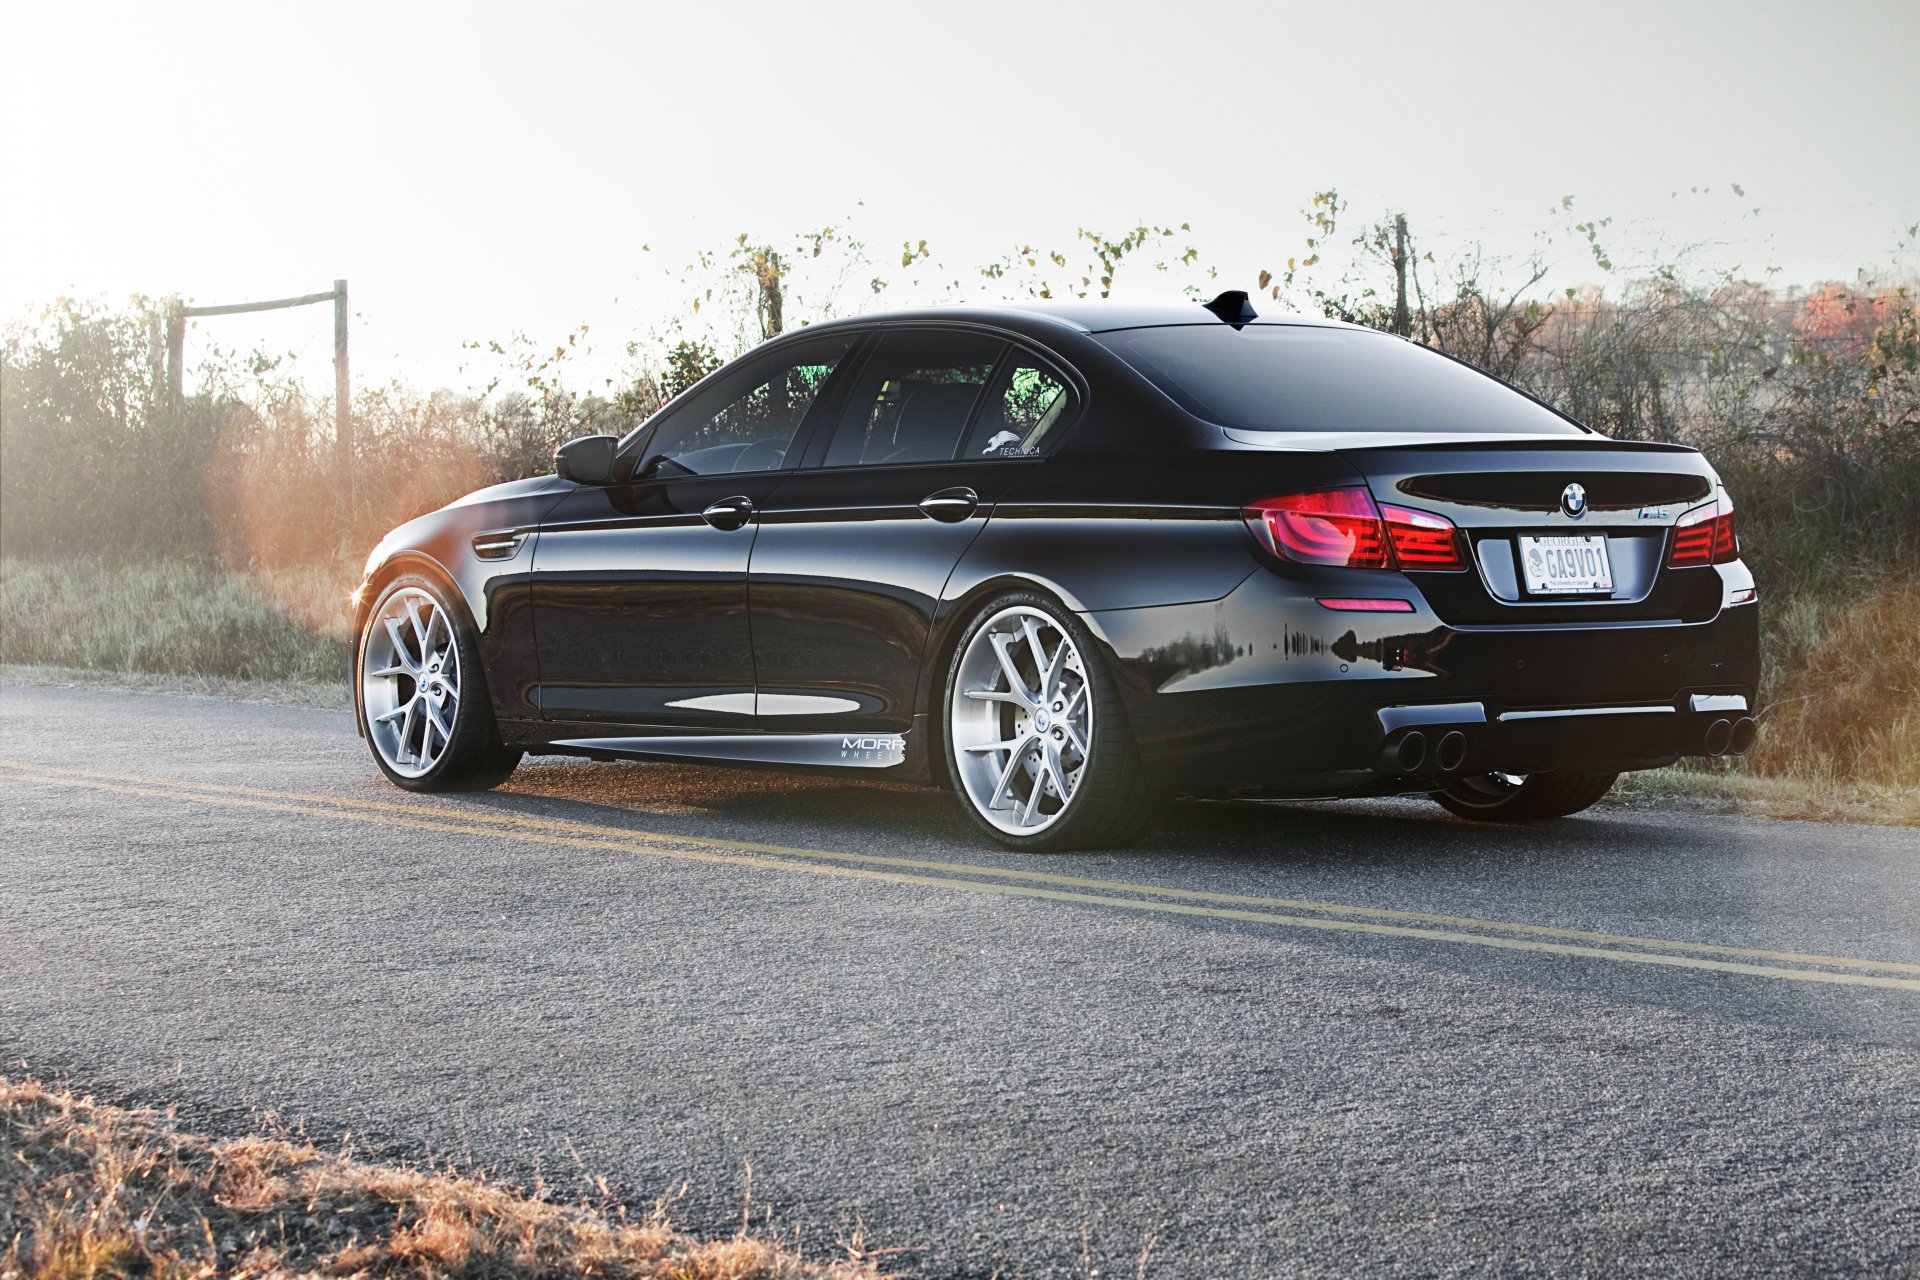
(1536, 797)
(473, 758)
(1113, 803)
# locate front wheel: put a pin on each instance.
(1523, 797)
(1036, 738)
(423, 693)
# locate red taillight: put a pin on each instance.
(1343, 527)
(1726, 542)
(1329, 526)
(1421, 540)
(1693, 537)
(1705, 535)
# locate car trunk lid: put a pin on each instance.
(1530, 508)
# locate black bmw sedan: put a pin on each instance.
(1071, 561)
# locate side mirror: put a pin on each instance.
(588, 460)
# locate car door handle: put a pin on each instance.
(951, 505)
(729, 513)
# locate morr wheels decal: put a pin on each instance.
(410, 681)
(1022, 719)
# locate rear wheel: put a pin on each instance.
(423, 693)
(1523, 797)
(1036, 739)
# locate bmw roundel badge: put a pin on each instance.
(1573, 500)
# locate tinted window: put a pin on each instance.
(1027, 402)
(746, 421)
(913, 398)
(1300, 378)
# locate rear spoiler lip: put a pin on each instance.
(1367, 441)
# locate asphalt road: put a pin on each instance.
(1627, 1043)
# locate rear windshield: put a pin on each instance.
(1303, 378)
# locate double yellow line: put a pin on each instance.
(461, 819)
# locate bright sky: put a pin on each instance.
(479, 168)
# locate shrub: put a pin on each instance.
(178, 617)
(1847, 703)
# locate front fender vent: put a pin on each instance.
(498, 545)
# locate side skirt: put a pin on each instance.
(806, 750)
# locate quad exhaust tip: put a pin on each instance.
(1719, 737)
(1741, 740)
(1412, 752)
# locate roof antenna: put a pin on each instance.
(1233, 307)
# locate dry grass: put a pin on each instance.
(88, 1190)
(1845, 708)
(1721, 789)
(1840, 718)
(176, 617)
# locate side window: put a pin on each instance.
(1028, 400)
(747, 420)
(913, 398)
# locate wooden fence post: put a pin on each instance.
(342, 386)
(156, 356)
(1402, 320)
(176, 352)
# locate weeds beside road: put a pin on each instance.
(88, 1189)
(1731, 789)
(177, 618)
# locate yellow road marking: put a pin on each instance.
(521, 822)
(206, 795)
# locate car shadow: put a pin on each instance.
(1613, 869)
(857, 815)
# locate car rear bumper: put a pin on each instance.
(1464, 738)
(1267, 689)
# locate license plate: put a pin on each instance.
(1566, 564)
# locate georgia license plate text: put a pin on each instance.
(1566, 564)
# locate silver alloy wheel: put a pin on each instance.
(410, 681)
(1022, 718)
